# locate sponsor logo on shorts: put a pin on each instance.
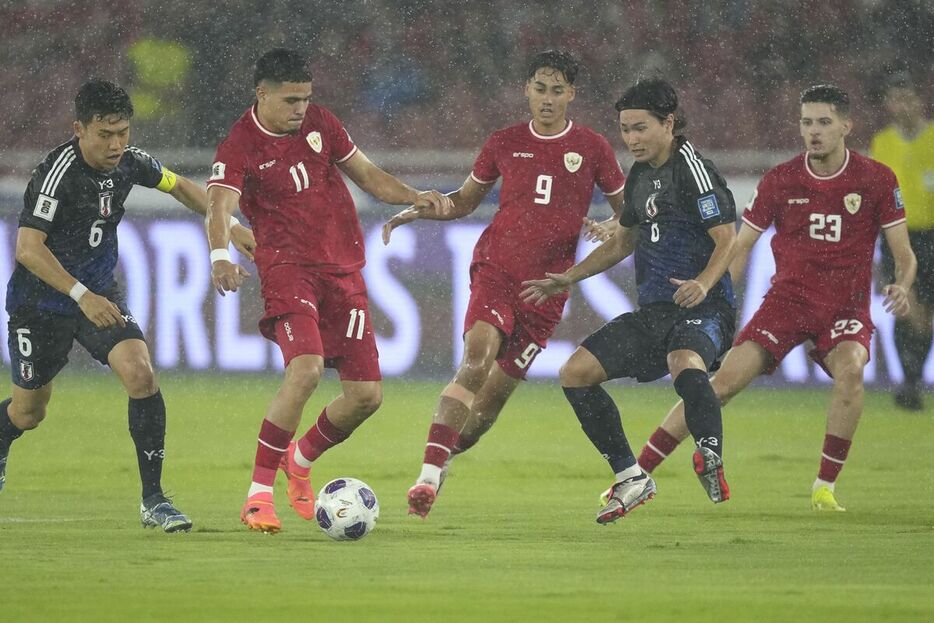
(308, 303)
(693, 321)
(288, 331)
(26, 371)
(129, 319)
(266, 165)
(498, 316)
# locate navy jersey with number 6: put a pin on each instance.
(674, 206)
(79, 207)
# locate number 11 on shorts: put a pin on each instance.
(357, 320)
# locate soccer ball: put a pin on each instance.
(346, 509)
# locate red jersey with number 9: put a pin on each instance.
(547, 189)
(826, 227)
(292, 191)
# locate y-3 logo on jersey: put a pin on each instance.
(106, 201)
(108, 183)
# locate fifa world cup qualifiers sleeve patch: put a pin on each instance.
(217, 171)
(168, 181)
(899, 202)
(45, 207)
(708, 206)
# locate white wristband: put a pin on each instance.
(77, 291)
(220, 254)
(233, 220)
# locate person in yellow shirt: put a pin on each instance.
(907, 146)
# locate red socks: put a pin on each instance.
(441, 441)
(320, 437)
(657, 449)
(833, 457)
(272, 444)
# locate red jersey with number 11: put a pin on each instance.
(826, 227)
(292, 191)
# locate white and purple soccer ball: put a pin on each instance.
(346, 509)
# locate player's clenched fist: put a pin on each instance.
(227, 276)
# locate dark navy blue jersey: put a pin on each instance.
(674, 206)
(79, 208)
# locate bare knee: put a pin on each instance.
(27, 415)
(366, 403)
(302, 378)
(581, 370)
(139, 379)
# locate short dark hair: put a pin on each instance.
(97, 99)
(827, 94)
(281, 65)
(898, 80)
(562, 61)
(657, 96)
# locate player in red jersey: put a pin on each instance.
(828, 206)
(549, 166)
(282, 163)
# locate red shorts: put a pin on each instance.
(494, 298)
(316, 313)
(782, 322)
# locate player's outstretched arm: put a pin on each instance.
(745, 241)
(608, 254)
(388, 188)
(906, 266)
(692, 292)
(193, 197)
(33, 254)
(225, 275)
(464, 201)
(601, 231)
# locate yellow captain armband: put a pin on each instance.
(167, 183)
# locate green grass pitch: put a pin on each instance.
(512, 537)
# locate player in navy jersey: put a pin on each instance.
(282, 163)
(549, 167)
(63, 287)
(828, 206)
(678, 219)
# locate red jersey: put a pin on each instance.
(826, 227)
(547, 189)
(292, 191)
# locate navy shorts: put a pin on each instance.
(40, 340)
(636, 344)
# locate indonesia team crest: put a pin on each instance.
(314, 139)
(572, 161)
(852, 202)
(106, 202)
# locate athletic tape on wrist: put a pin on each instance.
(220, 254)
(233, 220)
(77, 291)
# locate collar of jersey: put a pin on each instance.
(807, 167)
(553, 137)
(260, 125)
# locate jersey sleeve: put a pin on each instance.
(342, 146)
(230, 166)
(891, 207)
(760, 213)
(41, 199)
(485, 170)
(703, 190)
(149, 172)
(610, 177)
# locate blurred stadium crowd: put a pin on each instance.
(434, 74)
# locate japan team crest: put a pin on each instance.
(106, 202)
(314, 139)
(852, 202)
(651, 208)
(26, 372)
(572, 161)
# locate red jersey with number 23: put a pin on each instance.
(826, 227)
(547, 189)
(292, 191)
